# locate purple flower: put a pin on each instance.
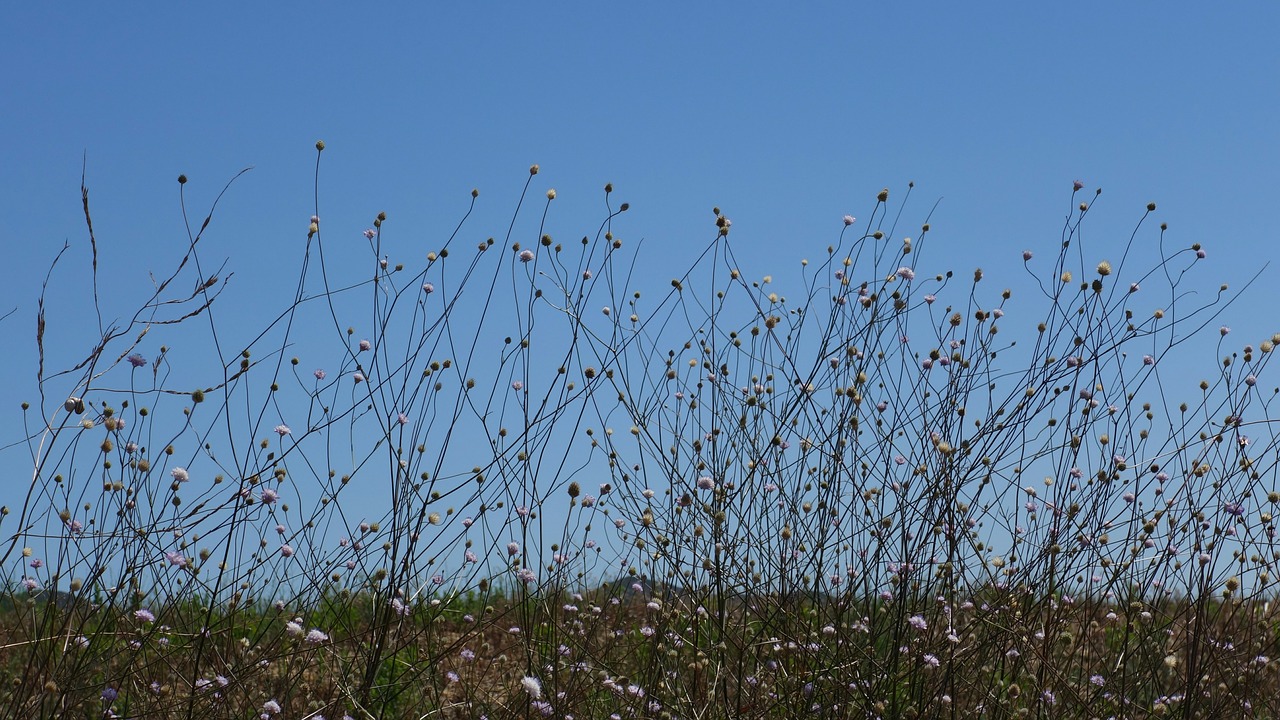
(513, 549)
(144, 615)
(283, 430)
(180, 474)
(137, 360)
(918, 622)
(270, 707)
(365, 345)
(110, 694)
(269, 496)
(1200, 254)
(368, 234)
(1077, 184)
(428, 288)
(907, 273)
(705, 483)
(315, 637)
(517, 385)
(526, 256)
(319, 374)
(176, 558)
(849, 220)
(286, 550)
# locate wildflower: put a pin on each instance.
(286, 551)
(907, 273)
(929, 299)
(1200, 254)
(358, 377)
(270, 707)
(1026, 255)
(931, 660)
(144, 615)
(1148, 360)
(1224, 330)
(918, 622)
(269, 496)
(319, 374)
(1048, 697)
(451, 676)
(315, 637)
(428, 288)
(526, 256)
(1097, 680)
(532, 686)
(110, 694)
(180, 474)
(513, 549)
(517, 386)
(1077, 185)
(705, 483)
(293, 627)
(849, 220)
(137, 360)
(402, 419)
(176, 558)
(283, 430)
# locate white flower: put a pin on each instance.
(531, 686)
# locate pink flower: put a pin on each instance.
(283, 430)
(526, 256)
(369, 233)
(849, 220)
(365, 345)
(907, 273)
(319, 374)
(176, 558)
(1077, 185)
(286, 550)
(269, 496)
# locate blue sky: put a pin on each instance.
(787, 116)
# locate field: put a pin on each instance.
(873, 494)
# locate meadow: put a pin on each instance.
(864, 492)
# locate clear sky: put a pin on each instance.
(786, 115)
